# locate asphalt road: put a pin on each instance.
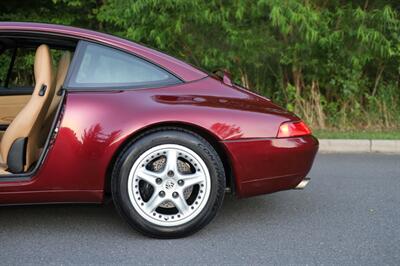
(348, 215)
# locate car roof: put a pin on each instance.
(183, 70)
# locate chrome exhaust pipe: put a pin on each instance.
(303, 183)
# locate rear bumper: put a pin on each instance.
(262, 166)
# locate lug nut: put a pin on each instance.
(158, 180)
(180, 182)
(170, 173)
(175, 194)
(161, 193)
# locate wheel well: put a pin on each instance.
(219, 148)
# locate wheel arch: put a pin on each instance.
(206, 134)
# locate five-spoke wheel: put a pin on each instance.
(168, 183)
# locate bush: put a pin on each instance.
(335, 63)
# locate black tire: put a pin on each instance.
(144, 142)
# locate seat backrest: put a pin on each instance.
(62, 70)
(22, 136)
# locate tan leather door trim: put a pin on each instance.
(10, 106)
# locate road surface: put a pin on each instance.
(348, 215)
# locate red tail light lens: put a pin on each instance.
(293, 129)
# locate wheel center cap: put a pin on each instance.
(170, 184)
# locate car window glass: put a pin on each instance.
(22, 74)
(104, 66)
(5, 60)
(22, 69)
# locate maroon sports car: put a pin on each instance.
(165, 139)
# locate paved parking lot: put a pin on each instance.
(348, 215)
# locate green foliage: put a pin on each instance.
(335, 63)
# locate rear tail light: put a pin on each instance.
(293, 129)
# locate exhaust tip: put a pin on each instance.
(303, 183)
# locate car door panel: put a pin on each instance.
(10, 106)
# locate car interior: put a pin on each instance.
(30, 93)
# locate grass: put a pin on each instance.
(328, 134)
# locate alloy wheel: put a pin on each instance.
(169, 185)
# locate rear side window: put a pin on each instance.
(103, 67)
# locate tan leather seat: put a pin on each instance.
(24, 133)
(62, 70)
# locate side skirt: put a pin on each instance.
(51, 196)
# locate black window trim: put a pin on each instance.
(78, 57)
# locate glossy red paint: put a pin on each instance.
(270, 165)
(95, 125)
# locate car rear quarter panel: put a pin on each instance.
(94, 125)
(269, 165)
